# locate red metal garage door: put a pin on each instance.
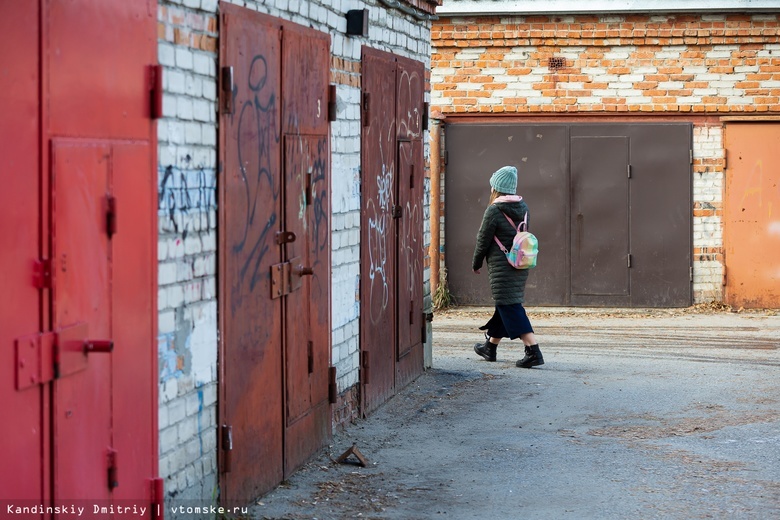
(275, 250)
(391, 256)
(80, 336)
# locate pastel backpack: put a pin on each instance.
(525, 246)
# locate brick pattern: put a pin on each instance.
(698, 64)
(347, 410)
(187, 249)
(713, 64)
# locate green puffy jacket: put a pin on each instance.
(507, 284)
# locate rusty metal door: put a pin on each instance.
(632, 179)
(275, 250)
(391, 256)
(250, 219)
(750, 225)
(377, 229)
(599, 220)
(410, 91)
(88, 276)
(306, 58)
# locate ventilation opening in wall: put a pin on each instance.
(556, 63)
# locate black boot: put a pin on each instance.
(533, 357)
(487, 351)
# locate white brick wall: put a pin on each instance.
(187, 342)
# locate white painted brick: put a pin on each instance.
(192, 133)
(188, 428)
(166, 55)
(174, 81)
(209, 289)
(209, 5)
(210, 90)
(164, 467)
(184, 58)
(166, 273)
(192, 245)
(209, 241)
(184, 108)
(192, 291)
(209, 135)
(200, 63)
(174, 296)
(201, 111)
(169, 105)
(168, 439)
(166, 322)
(162, 417)
(176, 411)
(209, 395)
(193, 86)
(162, 298)
(169, 389)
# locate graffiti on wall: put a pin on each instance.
(186, 198)
(186, 202)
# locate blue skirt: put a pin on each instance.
(508, 321)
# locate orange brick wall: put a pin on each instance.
(680, 64)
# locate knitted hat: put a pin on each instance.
(504, 180)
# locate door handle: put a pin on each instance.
(304, 271)
(98, 345)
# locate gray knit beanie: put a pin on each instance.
(504, 180)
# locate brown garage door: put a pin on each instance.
(610, 203)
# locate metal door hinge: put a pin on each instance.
(42, 273)
(398, 211)
(411, 177)
(725, 279)
(44, 356)
(425, 116)
(725, 159)
(113, 479)
(227, 448)
(446, 156)
(629, 260)
(310, 347)
(690, 273)
(226, 89)
(365, 106)
(364, 367)
(333, 394)
(155, 91)
(628, 170)
(111, 216)
(332, 105)
(690, 155)
(35, 359)
(158, 498)
(287, 277)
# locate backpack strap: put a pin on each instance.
(524, 222)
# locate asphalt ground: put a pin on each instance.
(636, 414)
